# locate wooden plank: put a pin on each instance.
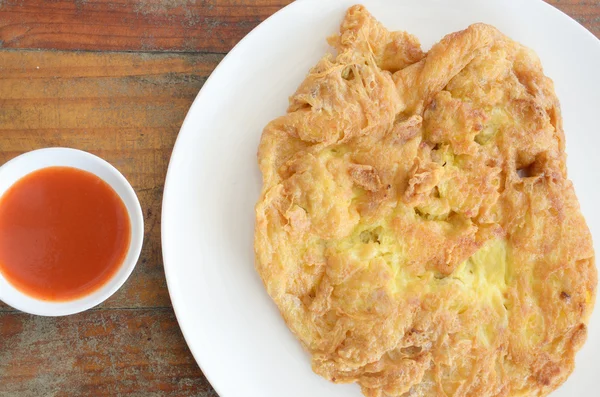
(124, 107)
(139, 25)
(162, 25)
(98, 353)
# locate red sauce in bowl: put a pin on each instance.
(64, 233)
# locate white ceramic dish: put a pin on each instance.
(26, 163)
(231, 326)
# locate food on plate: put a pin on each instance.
(416, 226)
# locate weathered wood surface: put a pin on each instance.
(116, 352)
(131, 25)
(126, 107)
(162, 25)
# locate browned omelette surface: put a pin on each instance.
(416, 226)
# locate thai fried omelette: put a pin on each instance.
(416, 226)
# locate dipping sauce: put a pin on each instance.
(64, 233)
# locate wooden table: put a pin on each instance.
(116, 78)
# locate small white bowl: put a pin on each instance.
(26, 163)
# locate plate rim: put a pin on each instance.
(164, 207)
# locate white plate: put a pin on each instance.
(230, 324)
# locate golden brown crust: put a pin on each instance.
(362, 33)
(416, 227)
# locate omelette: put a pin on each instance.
(416, 226)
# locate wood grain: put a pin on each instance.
(586, 12)
(162, 25)
(138, 25)
(98, 353)
(124, 107)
